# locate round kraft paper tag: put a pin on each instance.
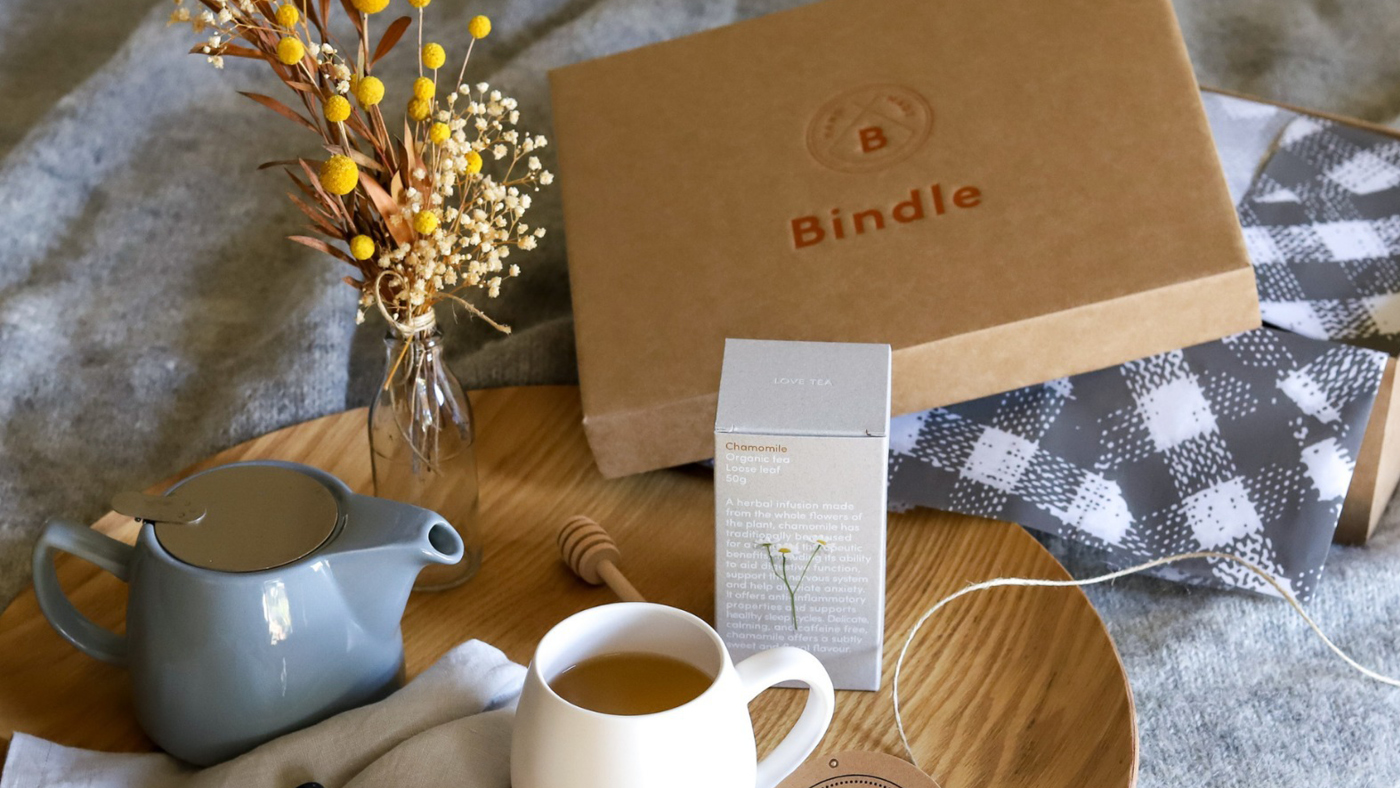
(858, 770)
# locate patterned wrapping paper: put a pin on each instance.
(1245, 445)
(1322, 224)
(1244, 132)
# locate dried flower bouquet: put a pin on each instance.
(421, 217)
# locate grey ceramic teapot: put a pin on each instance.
(265, 596)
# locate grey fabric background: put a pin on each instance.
(151, 313)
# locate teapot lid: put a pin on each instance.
(255, 517)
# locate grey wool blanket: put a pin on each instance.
(151, 313)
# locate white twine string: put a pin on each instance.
(406, 328)
(427, 320)
(1022, 581)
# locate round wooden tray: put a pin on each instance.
(1010, 687)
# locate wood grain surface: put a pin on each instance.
(1010, 687)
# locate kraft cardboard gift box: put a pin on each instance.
(1377, 472)
(1005, 193)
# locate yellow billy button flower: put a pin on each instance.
(288, 15)
(434, 55)
(425, 222)
(339, 175)
(336, 108)
(290, 51)
(439, 133)
(479, 27)
(419, 109)
(362, 247)
(473, 162)
(370, 6)
(424, 88)
(419, 3)
(370, 91)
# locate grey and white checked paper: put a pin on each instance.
(1245, 445)
(1322, 224)
(1244, 132)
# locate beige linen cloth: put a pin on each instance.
(450, 726)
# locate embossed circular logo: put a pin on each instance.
(869, 128)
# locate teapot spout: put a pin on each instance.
(381, 549)
(398, 529)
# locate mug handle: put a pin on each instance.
(89, 545)
(768, 668)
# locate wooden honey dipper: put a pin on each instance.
(592, 554)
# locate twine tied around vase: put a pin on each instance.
(415, 324)
(427, 320)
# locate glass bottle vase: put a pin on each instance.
(422, 445)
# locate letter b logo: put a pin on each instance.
(872, 138)
(869, 128)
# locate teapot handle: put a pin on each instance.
(89, 545)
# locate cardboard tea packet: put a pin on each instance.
(801, 452)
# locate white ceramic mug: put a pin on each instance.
(706, 743)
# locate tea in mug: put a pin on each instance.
(628, 684)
